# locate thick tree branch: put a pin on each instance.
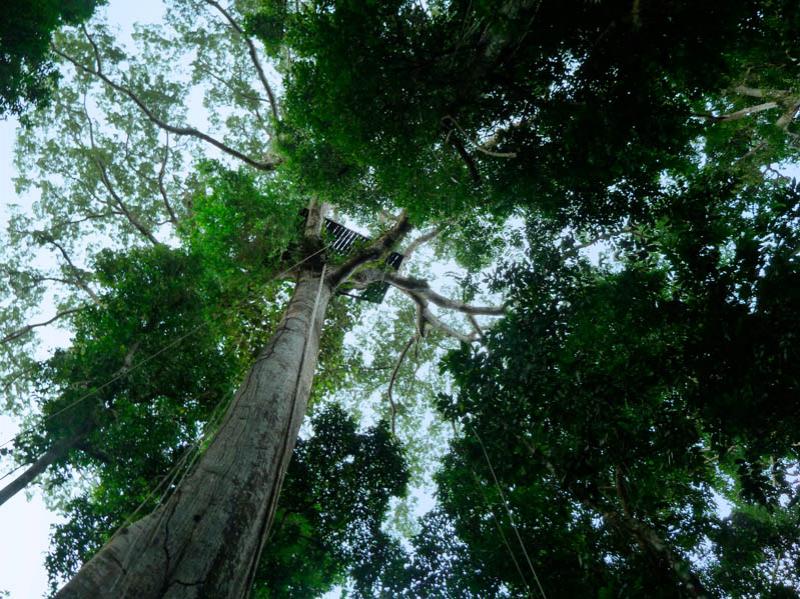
(422, 288)
(419, 321)
(419, 241)
(780, 99)
(187, 131)
(739, 114)
(468, 160)
(755, 92)
(251, 49)
(29, 327)
(372, 252)
(425, 316)
(788, 116)
(59, 449)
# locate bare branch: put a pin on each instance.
(251, 48)
(477, 146)
(447, 330)
(127, 361)
(468, 160)
(422, 288)
(419, 321)
(187, 131)
(77, 272)
(788, 116)
(29, 327)
(495, 139)
(393, 378)
(739, 114)
(475, 325)
(781, 98)
(425, 316)
(172, 217)
(419, 241)
(754, 92)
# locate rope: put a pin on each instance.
(193, 452)
(7, 474)
(496, 521)
(282, 469)
(510, 514)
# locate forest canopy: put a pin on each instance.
(534, 263)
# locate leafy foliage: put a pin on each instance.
(27, 72)
(535, 104)
(600, 421)
(322, 530)
(616, 401)
(332, 506)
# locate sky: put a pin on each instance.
(24, 520)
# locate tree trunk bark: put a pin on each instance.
(205, 541)
(59, 449)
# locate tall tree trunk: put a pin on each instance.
(59, 449)
(205, 541)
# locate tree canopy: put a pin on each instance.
(27, 72)
(605, 403)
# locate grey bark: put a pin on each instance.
(205, 541)
(52, 455)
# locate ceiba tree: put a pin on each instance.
(259, 428)
(459, 114)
